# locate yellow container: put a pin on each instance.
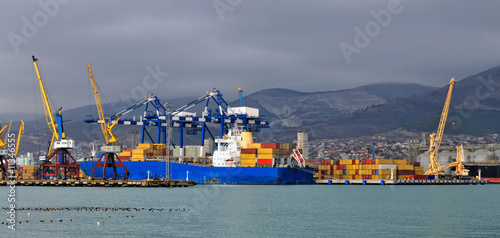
(268, 151)
(385, 172)
(254, 145)
(383, 161)
(400, 162)
(265, 156)
(419, 172)
(405, 167)
(145, 146)
(248, 156)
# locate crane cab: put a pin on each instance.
(64, 144)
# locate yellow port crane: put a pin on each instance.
(59, 146)
(4, 153)
(49, 116)
(107, 130)
(435, 138)
(2, 143)
(110, 151)
(460, 169)
(19, 135)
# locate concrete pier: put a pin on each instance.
(100, 183)
(400, 182)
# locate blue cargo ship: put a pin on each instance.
(140, 170)
(226, 167)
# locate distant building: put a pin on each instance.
(303, 143)
(23, 160)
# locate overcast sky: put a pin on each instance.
(183, 48)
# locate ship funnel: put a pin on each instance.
(246, 139)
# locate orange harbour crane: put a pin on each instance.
(110, 155)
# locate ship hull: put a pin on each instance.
(490, 172)
(140, 170)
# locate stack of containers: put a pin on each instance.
(29, 171)
(367, 169)
(266, 153)
(148, 151)
(248, 157)
(418, 171)
(125, 155)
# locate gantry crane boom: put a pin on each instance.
(105, 127)
(2, 143)
(49, 116)
(435, 138)
(21, 133)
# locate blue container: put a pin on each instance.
(432, 177)
(344, 172)
(329, 181)
(364, 182)
(381, 182)
(346, 182)
(376, 172)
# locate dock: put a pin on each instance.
(400, 182)
(99, 183)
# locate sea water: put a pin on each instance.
(254, 211)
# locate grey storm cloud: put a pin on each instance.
(226, 44)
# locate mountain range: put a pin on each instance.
(364, 110)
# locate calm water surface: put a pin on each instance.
(258, 211)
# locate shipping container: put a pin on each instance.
(264, 161)
(383, 161)
(249, 151)
(265, 156)
(387, 166)
(254, 145)
(400, 162)
(405, 172)
(405, 167)
(269, 145)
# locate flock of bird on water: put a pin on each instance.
(90, 209)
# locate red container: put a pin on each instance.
(373, 171)
(354, 177)
(248, 150)
(368, 177)
(265, 162)
(357, 172)
(363, 177)
(421, 177)
(415, 164)
(269, 145)
(405, 172)
(125, 158)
